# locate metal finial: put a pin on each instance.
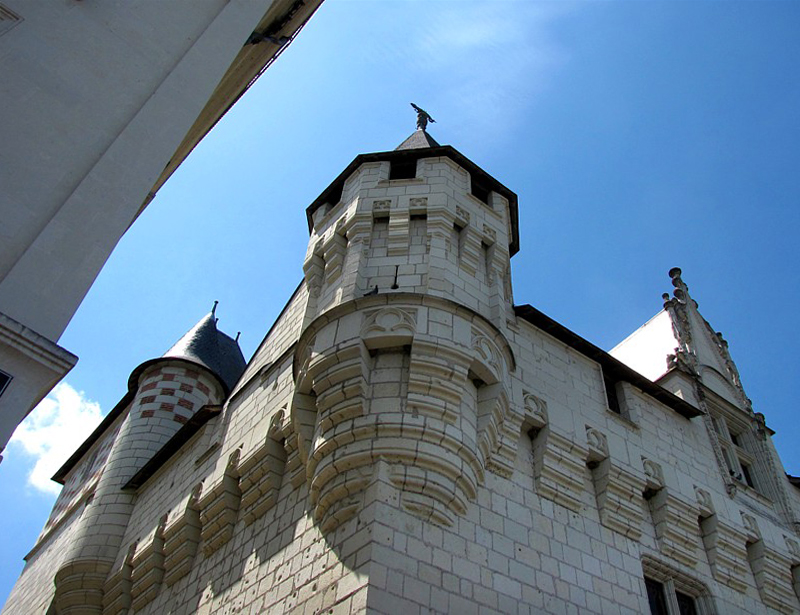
(422, 118)
(214, 309)
(238, 333)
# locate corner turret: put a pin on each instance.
(163, 394)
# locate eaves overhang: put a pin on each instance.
(415, 154)
(613, 368)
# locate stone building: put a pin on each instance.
(84, 83)
(408, 440)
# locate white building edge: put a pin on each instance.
(406, 439)
(102, 100)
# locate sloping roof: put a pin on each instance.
(418, 139)
(208, 347)
(202, 345)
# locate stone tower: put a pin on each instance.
(406, 439)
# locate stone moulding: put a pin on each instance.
(438, 445)
(219, 507)
(181, 539)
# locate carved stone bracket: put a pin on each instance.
(219, 507)
(772, 573)
(726, 552)
(261, 472)
(181, 539)
(559, 469)
(618, 494)
(148, 568)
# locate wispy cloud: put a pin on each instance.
(489, 60)
(52, 432)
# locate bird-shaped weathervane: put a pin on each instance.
(422, 117)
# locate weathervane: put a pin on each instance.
(422, 118)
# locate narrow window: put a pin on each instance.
(746, 475)
(686, 604)
(4, 380)
(403, 169)
(479, 191)
(611, 396)
(656, 597)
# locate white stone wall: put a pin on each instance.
(417, 452)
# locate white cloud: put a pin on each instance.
(489, 60)
(52, 432)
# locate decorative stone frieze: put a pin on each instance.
(219, 507)
(181, 539)
(148, 568)
(261, 472)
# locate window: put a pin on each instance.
(734, 440)
(670, 597)
(479, 191)
(656, 596)
(611, 395)
(4, 380)
(403, 169)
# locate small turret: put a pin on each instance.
(199, 370)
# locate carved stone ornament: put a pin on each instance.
(489, 233)
(486, 351)
(418, 202)
(277, 424)
(654, 476)
(704, 502)
(233, 462)
(462, 214)
(194, 497)
(389, 320)
(751, 527)
(597, 445)
(535, 410)
(382, 205)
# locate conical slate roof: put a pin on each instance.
(419, 139)
(208, 347)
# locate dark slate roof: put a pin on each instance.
(208, 347)
(202, 345)
(419, 139)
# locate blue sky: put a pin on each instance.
(639, 136)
